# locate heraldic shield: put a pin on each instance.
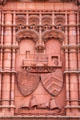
(27, 82)
(53, 82)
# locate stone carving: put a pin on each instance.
(50, 104)
(33, 20)
(53, 82)
(53, 34)
(27, 82)
(55, 60)
(46, 20)
(35, 103)
(41, 72)
(39, 69)
(46, 23)
(59, 22)
(27, 34)
(20, 22)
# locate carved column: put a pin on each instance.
(78, 32)
(7, 65)
(73, 64)
(14, 44)
(1, 39)
(66, 42)
(1, 58)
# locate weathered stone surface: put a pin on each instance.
(27, 82)
(53, 82)
(39, 59)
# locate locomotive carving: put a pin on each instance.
(39, 62)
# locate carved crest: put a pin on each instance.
(27, 82)
(53, 82)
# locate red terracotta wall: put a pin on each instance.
(39, 59)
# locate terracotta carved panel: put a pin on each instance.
(27, 82)
(39, 66)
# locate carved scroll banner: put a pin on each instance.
(53, 82)
(27, 82)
